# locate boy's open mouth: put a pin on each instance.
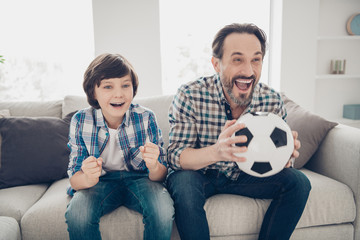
(117, 104)
(243, 84)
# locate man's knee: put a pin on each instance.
(299, 184)
(186, 187)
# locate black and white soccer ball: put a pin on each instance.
(270, 144)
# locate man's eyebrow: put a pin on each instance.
(236, 53)
(240, 53)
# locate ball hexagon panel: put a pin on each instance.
(270, 144)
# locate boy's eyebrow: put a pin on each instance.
(105, 81)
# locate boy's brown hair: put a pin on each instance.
(107, 66)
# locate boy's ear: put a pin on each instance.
(216, 63)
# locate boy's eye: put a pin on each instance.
(126, 85)
(107, 87)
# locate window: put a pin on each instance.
(188, 27)
(47, 46)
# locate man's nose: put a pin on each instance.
(247, 69)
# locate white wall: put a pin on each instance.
(131, 28)
(298, 59)
(116, 22)
(304, 58)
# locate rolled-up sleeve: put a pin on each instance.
(183, 133)
(155, 136)
(78, 151)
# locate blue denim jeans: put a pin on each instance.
(289, 191)
(133, 190)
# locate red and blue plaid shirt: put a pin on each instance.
(199, 112)
(89, 135)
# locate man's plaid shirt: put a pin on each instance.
(198, 113)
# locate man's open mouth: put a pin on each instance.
(244, 84)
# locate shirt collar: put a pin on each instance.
(220, 89)
(127, 118)
(100, 121)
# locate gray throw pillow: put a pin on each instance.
(33, 150)
(311, 128)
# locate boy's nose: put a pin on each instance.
(118, 92)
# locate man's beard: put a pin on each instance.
(242, 100)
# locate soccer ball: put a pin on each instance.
(270, 144)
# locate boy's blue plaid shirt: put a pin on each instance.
(89, 134)
(198, 114)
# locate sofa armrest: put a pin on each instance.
(338, 157)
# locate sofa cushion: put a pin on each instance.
(311, 128)
(330, 202)
(9, 229)
(33, 150)
(15, 201)
(46, 218)
(3, 113)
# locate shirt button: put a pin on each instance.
(228, 111)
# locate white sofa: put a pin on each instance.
(332, 211)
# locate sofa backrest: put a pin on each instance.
(34, 109)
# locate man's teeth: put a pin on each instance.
(244, 81)
(243, 84)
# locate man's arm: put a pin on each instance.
(222, 150)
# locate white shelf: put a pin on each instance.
(337, 76)
(339, 37)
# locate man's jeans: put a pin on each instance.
(133, 190)
(289, 190)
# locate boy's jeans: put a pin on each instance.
(133, 190)
(289, 190)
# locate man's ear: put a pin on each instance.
(216, 63)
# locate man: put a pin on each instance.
(202, 121)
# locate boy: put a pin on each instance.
(116, 155)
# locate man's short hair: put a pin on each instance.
(218, 43)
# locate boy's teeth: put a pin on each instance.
(117, 104)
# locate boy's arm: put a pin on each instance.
(150, 153)
(89, 174)
(83, 170)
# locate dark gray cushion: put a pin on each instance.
(33, 150)
(311, 128)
